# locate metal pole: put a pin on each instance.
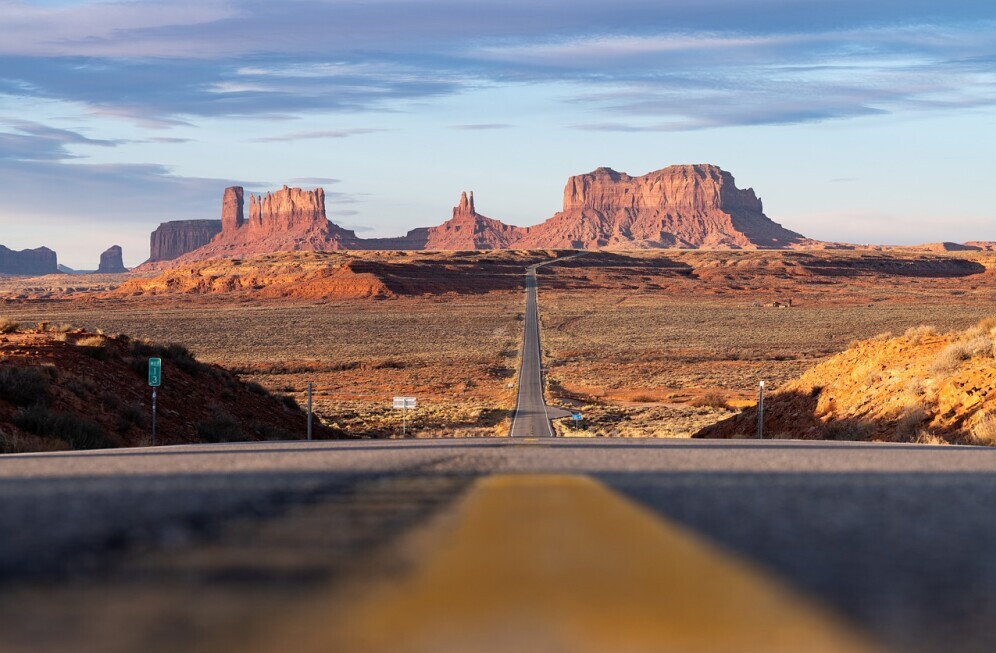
(310, 391)
(404, 420)
(153, 417)
(760, 413)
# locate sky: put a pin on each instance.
(856, 121)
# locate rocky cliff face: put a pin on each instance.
(112, 261)
(688, 206)
(174, 239)
(28, 262)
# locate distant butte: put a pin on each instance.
(685, 206)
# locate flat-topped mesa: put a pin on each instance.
(174, 239)
(687, 206)
(676, 188)
(28, 262)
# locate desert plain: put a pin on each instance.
(658, 343)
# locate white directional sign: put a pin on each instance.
(404, 402)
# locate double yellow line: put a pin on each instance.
(557, 563)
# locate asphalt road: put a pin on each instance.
(532, 415)
(182, 547)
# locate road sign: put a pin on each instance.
(155, 372)
(576, 416)
(403, 404)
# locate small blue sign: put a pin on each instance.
(576, 417)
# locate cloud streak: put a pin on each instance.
(317, 135)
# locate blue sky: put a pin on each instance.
(853, 120)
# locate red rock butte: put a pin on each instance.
(684, 206)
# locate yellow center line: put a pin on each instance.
(562, 563)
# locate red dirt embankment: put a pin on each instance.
(69, 389)
(919, 387)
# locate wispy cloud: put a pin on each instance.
(317, 135)
(488, 126)
(33, 141)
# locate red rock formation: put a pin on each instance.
(468, 229)
(287, 220)
(28, 262)
(232, 215)
(688, 206)
(174, 239)
(112, 261)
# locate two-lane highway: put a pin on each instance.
(532, 415)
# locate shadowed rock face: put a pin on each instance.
(28, 262)
(112, 261)
(174, 239)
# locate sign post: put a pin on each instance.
(155, 380)
(576, 416)
(310, 391)
(760, 413)
(404, 403)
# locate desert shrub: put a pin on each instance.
(64, 328)
(12, 443)
(80, 387)
(711, 400)
(391, 364)
(918, 333)
(182, 358)
(222, 427)
(910, 423)
(79, 432)
(952, 356)
(109, 400)
(130, 415)
(984, 431)
(8, 326)
(846, 429)
(23, 386)
(643, 398)
(97, 347)
(44, 327)
(270, 432)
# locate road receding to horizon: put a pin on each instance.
(532, 414)
(221, 547)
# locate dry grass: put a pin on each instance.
(984, 430)
(8, 326)
(456, 354)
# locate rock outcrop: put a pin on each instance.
(468, 229)
(28, 262)
(112, 261)
(686, 206)
(288, 220)
(174, 239)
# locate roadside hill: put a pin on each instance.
(922, 386)
(63, 388)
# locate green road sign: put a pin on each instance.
(155, 372)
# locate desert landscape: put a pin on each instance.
(648, 343)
